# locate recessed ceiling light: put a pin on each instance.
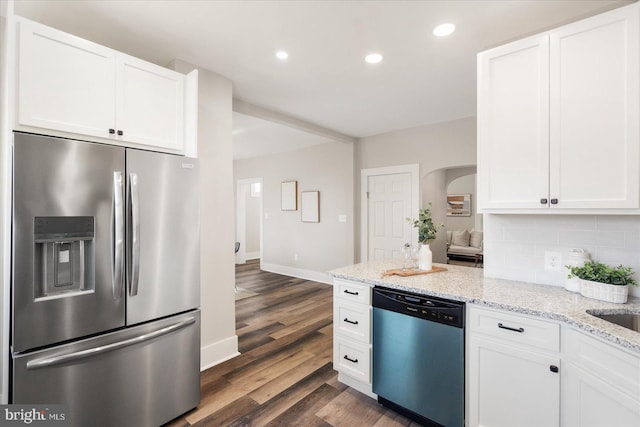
(444, 30)
(281, 54)
(373, 58)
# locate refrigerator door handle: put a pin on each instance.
(95, 351)
(117, 279)
(133, 267)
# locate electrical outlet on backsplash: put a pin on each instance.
(515, 245)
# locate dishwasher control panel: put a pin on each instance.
(436, 309)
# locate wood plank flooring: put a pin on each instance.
(284, 376)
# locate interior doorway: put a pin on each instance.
(388, 196)
(249, 220)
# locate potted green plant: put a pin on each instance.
(604, 282)
(427, 230)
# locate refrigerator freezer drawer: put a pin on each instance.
(141, 376)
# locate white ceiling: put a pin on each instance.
(325, 81)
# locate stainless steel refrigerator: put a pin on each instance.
(105, 281)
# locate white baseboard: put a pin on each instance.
(316, 276)
(252, 255)
(365, 389)
(218, 352)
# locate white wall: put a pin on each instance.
(435, 147)
(433, 188)
(319, 247)
(217, 210)
(514, 245)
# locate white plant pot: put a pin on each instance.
(425, 257)
(572, 285)
(604, 292)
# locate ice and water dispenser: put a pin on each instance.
(64, 254)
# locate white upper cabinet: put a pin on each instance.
(558, 118)
(73, 86)
(149, 103)
(513, 124)
(595, 112)
(65, 82)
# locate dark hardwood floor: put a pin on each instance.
(284, 376)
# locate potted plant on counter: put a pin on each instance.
(426, 232)
(603, 282)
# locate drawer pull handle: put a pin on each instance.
(346, 319)
(347, 291)
(501, 326)
(350, 359)
(554, 369)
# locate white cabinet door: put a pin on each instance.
(510, 386)
(65, 83)
(150, 103)
(589, 401)
(559, 118)
(513, 124)
(595, 112)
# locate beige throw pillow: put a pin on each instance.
(476, 239)
(460, 238)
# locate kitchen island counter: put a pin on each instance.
(469, 285)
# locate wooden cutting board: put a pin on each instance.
(407, 273)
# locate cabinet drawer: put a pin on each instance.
(540, 334)
(351, 291)
(618, 367)
(353, 359)
(352, 321)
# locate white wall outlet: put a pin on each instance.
(342, 218)
(552, 261)
(295, 257)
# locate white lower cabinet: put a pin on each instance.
(519, 374)
(511, 382)
(352, 334)
(512, 386)
(600, 383)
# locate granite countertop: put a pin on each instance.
(469, 285)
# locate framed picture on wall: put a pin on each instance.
(289, 196)
(459, 205)
(310, 206)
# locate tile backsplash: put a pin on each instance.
(514, 245)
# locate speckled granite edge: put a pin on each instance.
(470, 286)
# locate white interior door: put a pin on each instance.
(389, 203)
(249, 219)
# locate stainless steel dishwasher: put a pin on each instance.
(418, 356)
